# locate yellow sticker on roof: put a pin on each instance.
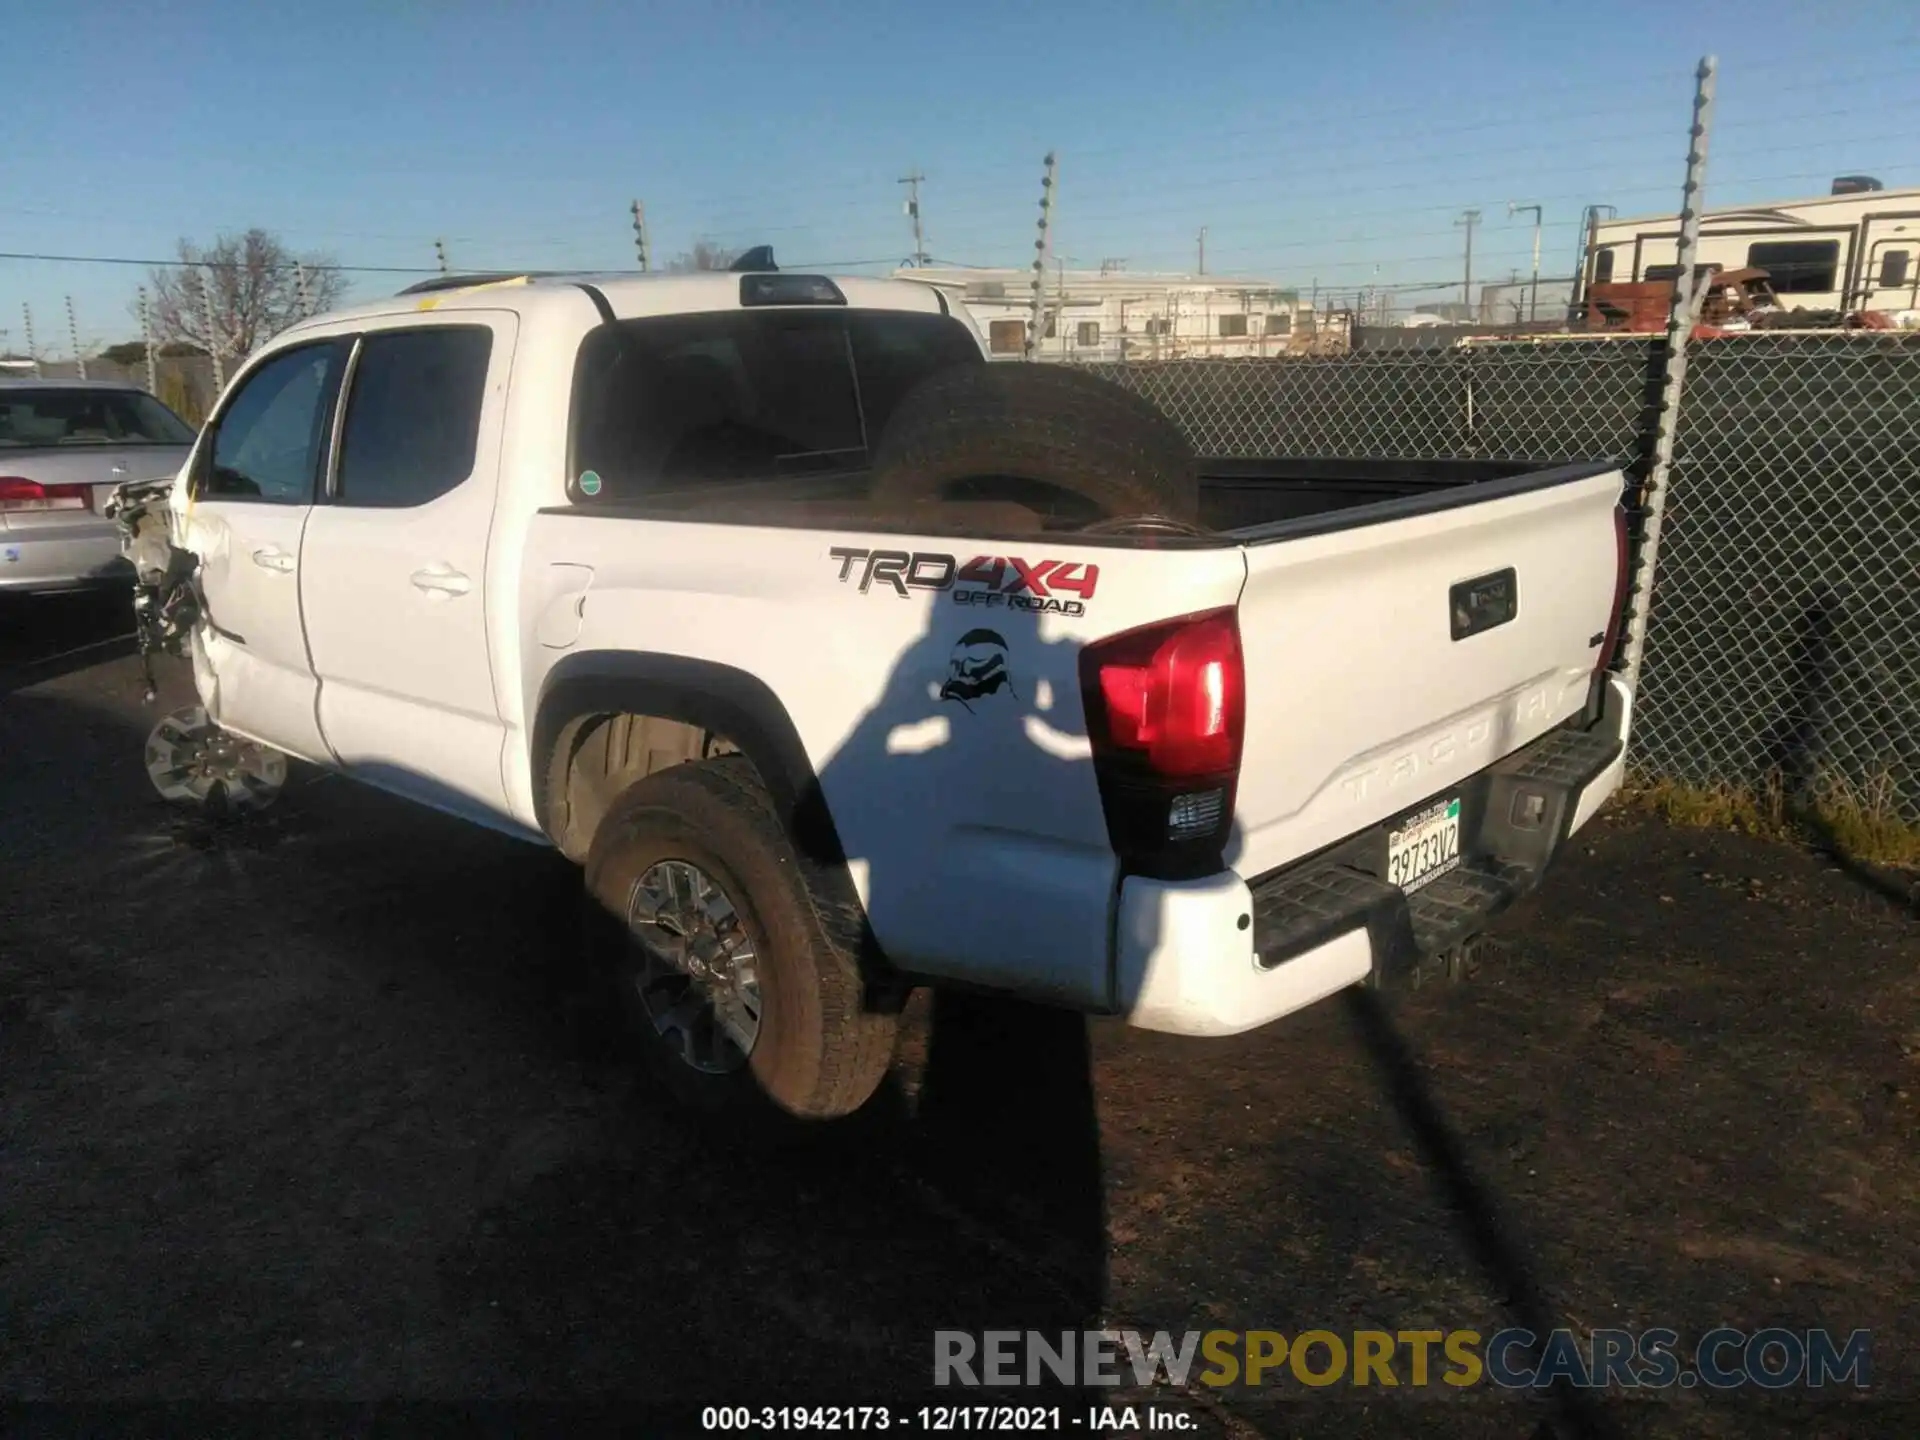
(430, 301)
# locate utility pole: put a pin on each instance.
(1468, 219)
(1060, 304)
(73, 334)
(1533, 304)
(640, 235)
(1037, 311)
(33, 351)
(300, 291)
(912, 182)
(1203, 249)
(440, 254)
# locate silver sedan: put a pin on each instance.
(64, 447)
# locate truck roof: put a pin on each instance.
(630, 296)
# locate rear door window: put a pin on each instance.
(413, 415)
(687, 401)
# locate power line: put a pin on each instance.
(1123, 195)
(1173, 235)
(217, 264)
(1621, 104)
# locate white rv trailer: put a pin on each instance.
(1855, 249)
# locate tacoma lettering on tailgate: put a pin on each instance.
(1455, 743)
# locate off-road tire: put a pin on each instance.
(1074, 447)
(821, 1051)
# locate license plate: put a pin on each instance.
(1425, 847)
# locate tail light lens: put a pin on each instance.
(18, 493)
(1166, 713)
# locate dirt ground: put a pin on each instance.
(323, 1109)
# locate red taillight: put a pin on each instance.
(1175, 693)
(18, 493)
(1622, 582)
(1167, 714)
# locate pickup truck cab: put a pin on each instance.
(599, 563)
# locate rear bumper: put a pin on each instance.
(68, 558)
(1221, 955)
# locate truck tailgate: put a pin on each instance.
(1361, 701)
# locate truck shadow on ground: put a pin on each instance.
(393, 1033)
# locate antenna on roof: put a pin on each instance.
(755, 261)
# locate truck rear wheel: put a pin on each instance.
(738, 998)
(1075, 447)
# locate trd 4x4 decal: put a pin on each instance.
(1005, 581)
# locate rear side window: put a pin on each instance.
(684, 401)
(413, 415)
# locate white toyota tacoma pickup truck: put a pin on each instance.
(846, 662)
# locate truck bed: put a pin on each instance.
(1245, 495)
(1244, 500)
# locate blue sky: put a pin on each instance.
(1316, 141)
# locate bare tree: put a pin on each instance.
(232, 296)
(705, 255)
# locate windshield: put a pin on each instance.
(48, 417)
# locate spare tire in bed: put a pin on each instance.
(1076, 448)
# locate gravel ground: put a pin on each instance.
(321, 1108)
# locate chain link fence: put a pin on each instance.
(1573, 400)
(1784, 648)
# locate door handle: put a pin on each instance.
(441, 581)
(272, 557)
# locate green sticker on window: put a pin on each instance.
(589, 482)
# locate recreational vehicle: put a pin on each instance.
(1857, 248)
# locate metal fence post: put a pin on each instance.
(73, 334)
(1687, 297)
(213, 339)
(146, 344)
(1040, 261)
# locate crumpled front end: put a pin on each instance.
(167, 603)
